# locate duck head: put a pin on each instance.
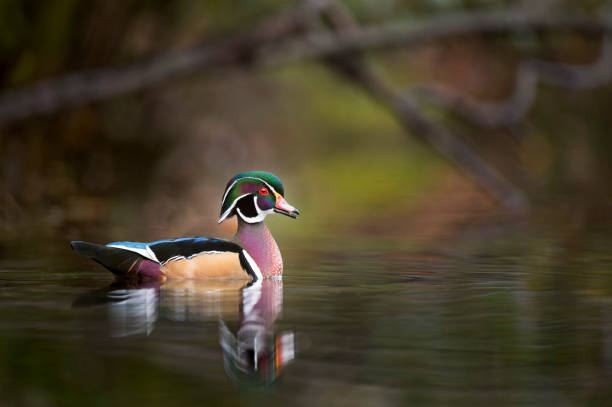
(254, 194)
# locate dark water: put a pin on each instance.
(516, 319)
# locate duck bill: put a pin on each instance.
(283, 207)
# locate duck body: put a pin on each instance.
(253, 253)
(191, 257)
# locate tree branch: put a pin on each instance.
(274, 41)
(84, 87)
(415, 33)
(407, 111)
(512, 111)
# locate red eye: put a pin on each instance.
(263, 191)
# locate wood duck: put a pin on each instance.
(252, 253)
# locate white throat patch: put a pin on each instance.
(233, 205)
(260, 214)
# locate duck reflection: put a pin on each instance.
(254, 354)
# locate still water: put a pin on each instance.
(512, 319)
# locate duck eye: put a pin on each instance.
(263, 191)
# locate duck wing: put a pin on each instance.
(154, 259)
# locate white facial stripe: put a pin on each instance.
(229, 210)
(260, 214)
(233, 183)
(259, 211)
(259, 218)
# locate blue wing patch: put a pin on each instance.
(162, 251)
(133, 245)
(136, 247)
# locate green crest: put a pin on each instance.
(246, 183)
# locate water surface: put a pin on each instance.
(516, 318)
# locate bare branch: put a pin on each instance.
(411, 33)
(85, 87)
(272, 42)
(485, 114)
(577, 77)
(406, 110)
(512, 111)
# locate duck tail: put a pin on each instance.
(85, 248)
(122, 263)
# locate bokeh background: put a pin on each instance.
(451, 160)
(154, 161)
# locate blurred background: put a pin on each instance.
(458, 151)
(524, 91)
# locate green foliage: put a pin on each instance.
(368, 181)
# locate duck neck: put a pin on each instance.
(261, 246)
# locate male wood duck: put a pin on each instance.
(252, 253)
